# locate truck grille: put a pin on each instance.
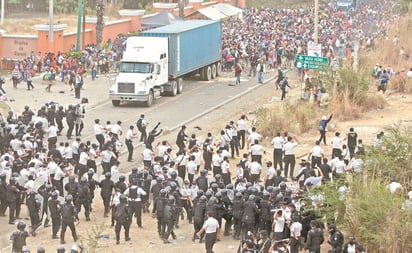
(125, 87)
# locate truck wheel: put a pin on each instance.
(173, 93)
(116, 102)
(214, 71)
(208, 73)
(179, 86)
(150, 99)
(218, 68)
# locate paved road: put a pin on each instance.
(199, 98)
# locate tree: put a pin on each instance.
(100, 22)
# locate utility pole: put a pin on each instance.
(2, 12)
(316, 23)
(79, 23)
(51, 33)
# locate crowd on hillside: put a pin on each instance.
(213, 179)
(278, 35)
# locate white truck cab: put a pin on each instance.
(142, 72)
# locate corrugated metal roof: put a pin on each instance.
(227, 9)
(212, 13)
(181, 26)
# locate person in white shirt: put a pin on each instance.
(316, 155)
(130, 135)
(75, 148)
(226, 175)
(270, 174)
(216, 162)
(338, 167)
(116, 130)
(278, 143)
(337, 142)
(161, 148)
(241, 128)
(254, 169)
(289, 159)
(253, 135)
(147, 155)
(98, 132)
(295, 234)
(212, 230)
(191, 168)
(68, 153)
(52, 135)
(256, 151)
(278, 225)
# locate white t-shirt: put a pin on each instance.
(98, 129)
(83, 158)
(316, 151)
(255, 168)
(290, 148)
(191, 167)
(278, 142)
(211, 225)
(147, 154)
(279, 224)
(241, 124)
(225, 167)
(295, 229)
(337, 142)
(256, 149)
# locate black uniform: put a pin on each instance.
(83, 199)
(70, 118)
(249, 216)
(44, 191)
(19, 240)
(54, 208)
(69, 216)
(107, 186)
(158, 206)
(72, 188)
(237, 217)
(199, 214)
(135, 204)
(122, 217)
(12, 197)
(169, 215)
(60, 114)
(34, 208)
(3, 196)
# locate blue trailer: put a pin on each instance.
(194, 47)
(155, 62)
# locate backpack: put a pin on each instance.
(139, 124)
(322, 125)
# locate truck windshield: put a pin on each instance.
(135, 67)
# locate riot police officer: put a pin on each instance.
(92, 186)
(70, 118)
(106, 186)
(237, 215)
(134, 194)
(72, 188)
(158, 206)
(3, 194)
(249, 215)
(12, 199)
(60, 114)
(45, 192)
(83, 197)
(54, 209)
(27, 115)
(122, 216)
(121, 185)
(69, 216)
(169, 214)
(265, 213)
(199, 214)
(34, 208)
(18, 237)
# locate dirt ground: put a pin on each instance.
(99, 233)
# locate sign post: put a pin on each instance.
(312, 62)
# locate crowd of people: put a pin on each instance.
(266, 212)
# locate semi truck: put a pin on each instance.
(155, 62)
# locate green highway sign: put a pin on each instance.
(312, 62)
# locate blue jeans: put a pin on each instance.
(260, 77)
(237, 79)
